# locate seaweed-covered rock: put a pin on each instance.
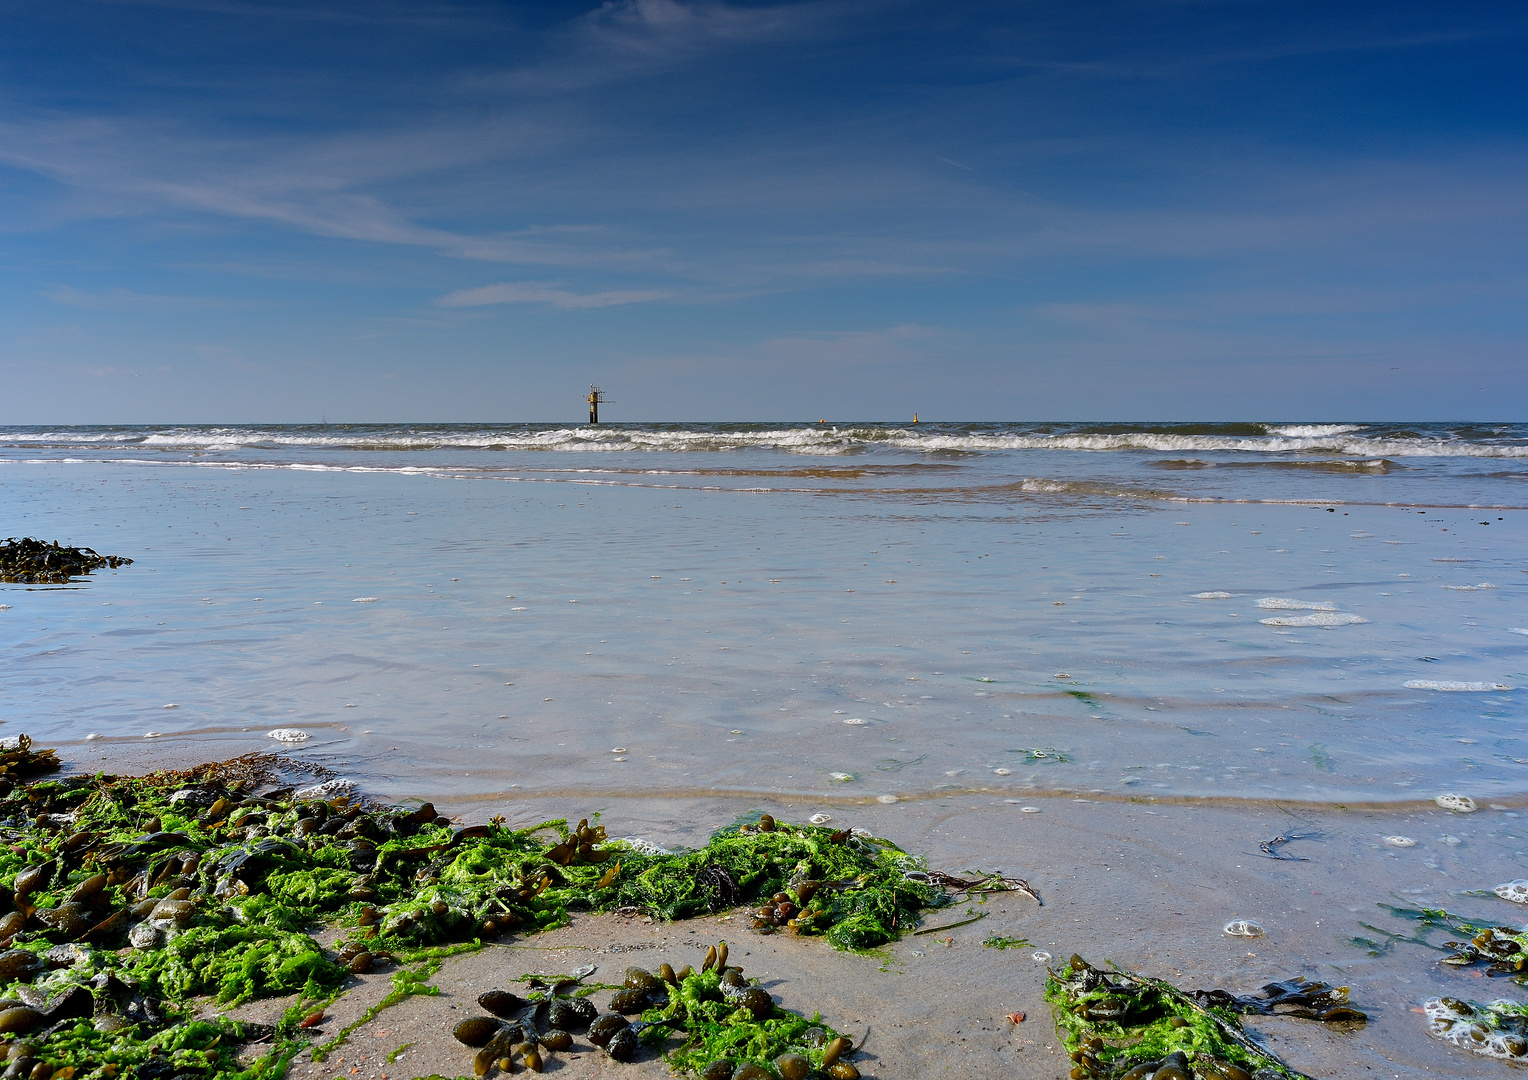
(36, 562)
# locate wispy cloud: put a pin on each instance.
(542, 292)
(123, 301)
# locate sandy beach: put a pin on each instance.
(1145, 886)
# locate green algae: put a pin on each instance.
(996, 941)
(717, 1027)
(1503, 949)
(159, 894)
(407, 983)
(1112, 1021)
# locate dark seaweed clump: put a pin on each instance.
(124, 900)
(37, 562)
(713, 1022)
(1118, 1025)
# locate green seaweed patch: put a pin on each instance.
(1502, 949)
(997, 941)
(139, 899)
(718, 1025)
(1110, 1022)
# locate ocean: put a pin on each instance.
(1308, 613)
(1177, 677)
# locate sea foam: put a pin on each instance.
(1316, 618)
(1456, 687)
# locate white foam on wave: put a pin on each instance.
(1316, 618)
(1283, 603)
(814, 439)
(1216, 595)
(1456, 687)
(1484, 585)
(1313, 431)
(1518, 630)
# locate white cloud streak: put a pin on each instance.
(541, 292)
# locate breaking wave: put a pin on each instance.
(1372, 444)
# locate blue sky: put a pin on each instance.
(255, 210)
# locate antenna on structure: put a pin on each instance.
(595, 398)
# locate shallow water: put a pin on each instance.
(1309, 613)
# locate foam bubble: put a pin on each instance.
(1470, 588)
(886, 798)
(329, 789)
(1243, 928)
(1002, 772)
(287, 734)
(1460, 804)
(1283, 603)
(842, 777)
(1456, 687)
(1319, 618)
(1216, 595)
(366, 600)
(1400, 841)
(1491, 1030)
(1515, 890)
(819, 819)
(856, 721)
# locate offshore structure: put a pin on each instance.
(596, 396)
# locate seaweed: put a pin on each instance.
(137, 898)
(724, 1019)
(28, 561)
(1290, 997)
(1502, 949)
(998, 941)
(1113, 1023)
(1496, 1029)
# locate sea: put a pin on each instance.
(1191, 682)
(1306, 613)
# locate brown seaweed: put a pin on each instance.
(28, 561)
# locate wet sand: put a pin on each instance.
(1146, 886)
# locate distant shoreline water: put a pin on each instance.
(1374, 440)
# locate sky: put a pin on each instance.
(226, 211)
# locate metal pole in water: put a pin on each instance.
(595, 397)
